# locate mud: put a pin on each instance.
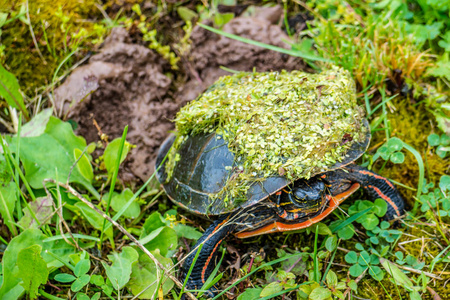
(125, 84)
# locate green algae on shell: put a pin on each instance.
(293, 124)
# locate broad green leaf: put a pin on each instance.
(445, 139)
(119, 272)
(166, 240)
(119, 200)
(91, 215)
(441, 151)
(359, 247)
(187, 232)
(8, 198)
(37, 125)
(5, 175)
(397, 157)
(82, 296)
(332, 279)
(42, 209)
(222, 19)
(186, 14)
(3, 17)
(320, 293)
(400, 278)
(395, 144)
(331, 243)
(95, 219)
(370, 221)
(351, 257)
(250, 293)
(97, 280)
(80, 283)
(380, 207)
(384, 152)
(271, 288)
(9, 90)
(356, 270)
(384, 225)
(32, 269)
(376, 273)
(65, 278)
(59, 248)
(11, 288)
(441, 69)
(111, 152)
(442, 119)
(53, 150)
(433, 139)
(414, 295)
(143, 275)
(347, 232)
(153, 222)
(444, 183)
(364, 258)
(84, 165)
(295, 263)
(82, 267)
(322, 229)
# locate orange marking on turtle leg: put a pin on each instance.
(205, 267)
(385, 198)
(220, 224)
(377, 177)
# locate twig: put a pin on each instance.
(356, 280)
(75, 163)
(6, 124)
(124, 231)
(33, 36)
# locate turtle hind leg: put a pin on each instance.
(378, 186)
(207, 258)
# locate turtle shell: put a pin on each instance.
(203, 170)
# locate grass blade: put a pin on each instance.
(253, 272)
(113, 180)
(295, 53)
(351, 219)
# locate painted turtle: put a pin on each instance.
(272, 205)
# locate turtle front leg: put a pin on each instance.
(207, 259)
(376, 185)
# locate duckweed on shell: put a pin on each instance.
(276, 123)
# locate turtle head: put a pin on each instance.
(308, 194)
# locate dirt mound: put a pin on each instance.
(125, 84)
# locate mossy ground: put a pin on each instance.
(59, 28)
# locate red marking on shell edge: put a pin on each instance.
(334, 202)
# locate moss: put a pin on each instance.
(290, 124)
(412, 124)
(59, 27)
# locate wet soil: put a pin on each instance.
(128, 84)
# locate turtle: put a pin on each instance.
(275, 204)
